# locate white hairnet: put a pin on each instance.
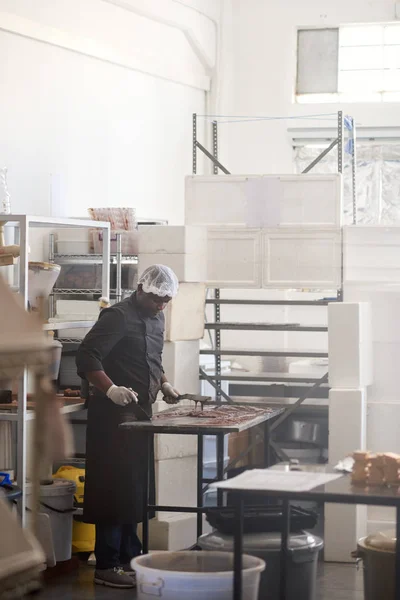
(159, 280)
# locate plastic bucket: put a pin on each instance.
(301, 566)
(57, 500)
(378, 555)
(194, 575)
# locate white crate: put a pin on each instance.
(347, 422)
(350, 345)
(371, 253)
(73, 247)
(275, 200)
(181, 365)
(171, 239)
(234, 258)
(176, 481)
(383, 427)
(217, 200)
(184, 315)
(187, 267)
(301, 258)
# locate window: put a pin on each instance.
(357, 63)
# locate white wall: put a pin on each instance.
(263, 63)
(100, 95)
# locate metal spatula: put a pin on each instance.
(195, 398)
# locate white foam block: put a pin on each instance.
(371, 253)
(347, 422)
(385, 387)
(350, 345)
(184, 315)
(187, 267)
(173, 531)
(383, 431)
(181, 365)
(156, 239)
(344, 526)
(168, 446)
(176, 481)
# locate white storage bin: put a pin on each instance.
(234, 258)
(302, 259)
(216, 200)
(273, 200)
(371, 253)
(184, 315)
(385, 387)
(181, 365)
(172, 239)
(187, 267)
(78, 332)
(173, 531)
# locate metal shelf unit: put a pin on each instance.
(217, 326)
(117, 259)
(23, 225)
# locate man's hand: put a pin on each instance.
(171, 395)
(121, 395)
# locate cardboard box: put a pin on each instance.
(184, 315)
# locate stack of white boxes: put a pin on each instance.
(350, 373)
(183, 249)
(372, 274)
(269, 231)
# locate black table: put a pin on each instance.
(191, 426)
(339, 491)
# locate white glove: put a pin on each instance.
(171, 395)
(121, 395)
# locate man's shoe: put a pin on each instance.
(128, 570)
(115, 578)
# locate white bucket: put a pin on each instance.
(194, 575)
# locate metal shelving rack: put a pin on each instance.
(23, 225)
(312, 382)
(117, 259)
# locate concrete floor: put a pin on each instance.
(335, 582)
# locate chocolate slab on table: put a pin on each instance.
(213, 420)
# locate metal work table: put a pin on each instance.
(191, 426)
(339, 491)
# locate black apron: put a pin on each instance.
(128, 348)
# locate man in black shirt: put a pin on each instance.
(122, 358)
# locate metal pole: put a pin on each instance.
(354, 171)
(340, 141)
(238, 546)
(119, 268)
(194, 147)
(106, 262)
(199, 484)
(284, 548)
(23, 383)
(217, 308)
(220, 465)
(51, 260)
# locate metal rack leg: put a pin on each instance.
(284, 548)
(199, 484)
(267, 447)
(220, 466)
(397, 591)
(146, 481)
(238, 547)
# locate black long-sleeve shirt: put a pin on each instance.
(127, 347)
